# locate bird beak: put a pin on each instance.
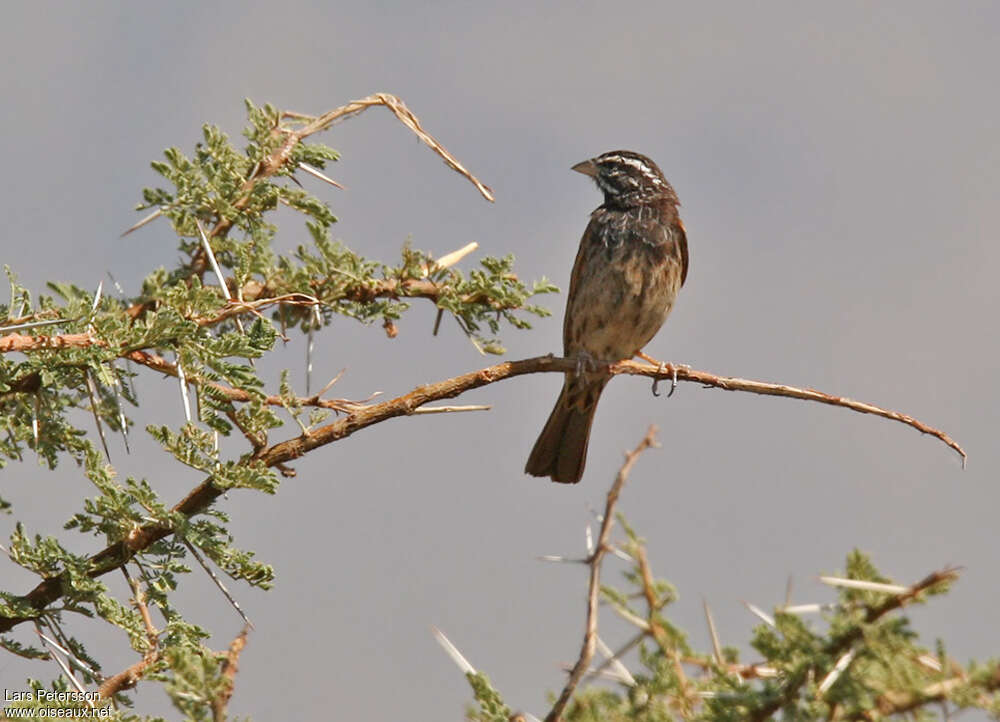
(587, 167)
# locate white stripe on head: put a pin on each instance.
(637, 164)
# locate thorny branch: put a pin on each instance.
(283, 153)
(654, 604)
(129, 677)
(363, 416)
(840, 645)
(229, 670)
(450, 388)
(360, 415)
(405, 116)
(899, 703)
(594, 587)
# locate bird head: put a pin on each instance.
(627, 179)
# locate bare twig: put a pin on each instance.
(730, 383)
(593, 589)
(405, 116)
(362, 416)
(455, 386)
(229, 669)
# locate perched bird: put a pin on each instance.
(632, 261)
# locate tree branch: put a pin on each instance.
(899, 703)
(280, 157)
(455, 386)
(840, 645)
(229, 670)
(131, 676)
(594, 588)
(367, 415)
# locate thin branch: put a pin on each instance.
(363, 416)
(455, 386)
(229, 669)
(839, 645)
(405, 116)
(730, 383)
(899, 703)
(654, 604)
(158, 363)
(744, 671)
(281, 156)
(129, 677)
(594, 588)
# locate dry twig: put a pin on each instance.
(459, 384)
(229, 669)
(594, 587)
(399, 109)
(361, 416)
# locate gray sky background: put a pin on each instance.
(839, 169)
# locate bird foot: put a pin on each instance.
(585, 363)
(661, 367)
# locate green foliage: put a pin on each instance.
(863, 661)
(83, 351)
(195, 680)
(491, 706)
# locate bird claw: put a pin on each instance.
(585, 363)
(656, 381)
(673, 377)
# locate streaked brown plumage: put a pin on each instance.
(632, 261)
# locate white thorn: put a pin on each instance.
(867, 586)
(452, 651)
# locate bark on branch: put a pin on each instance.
(594, 586)
(370, 414)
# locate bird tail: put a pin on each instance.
(561, 449)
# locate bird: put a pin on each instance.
(632, 261)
